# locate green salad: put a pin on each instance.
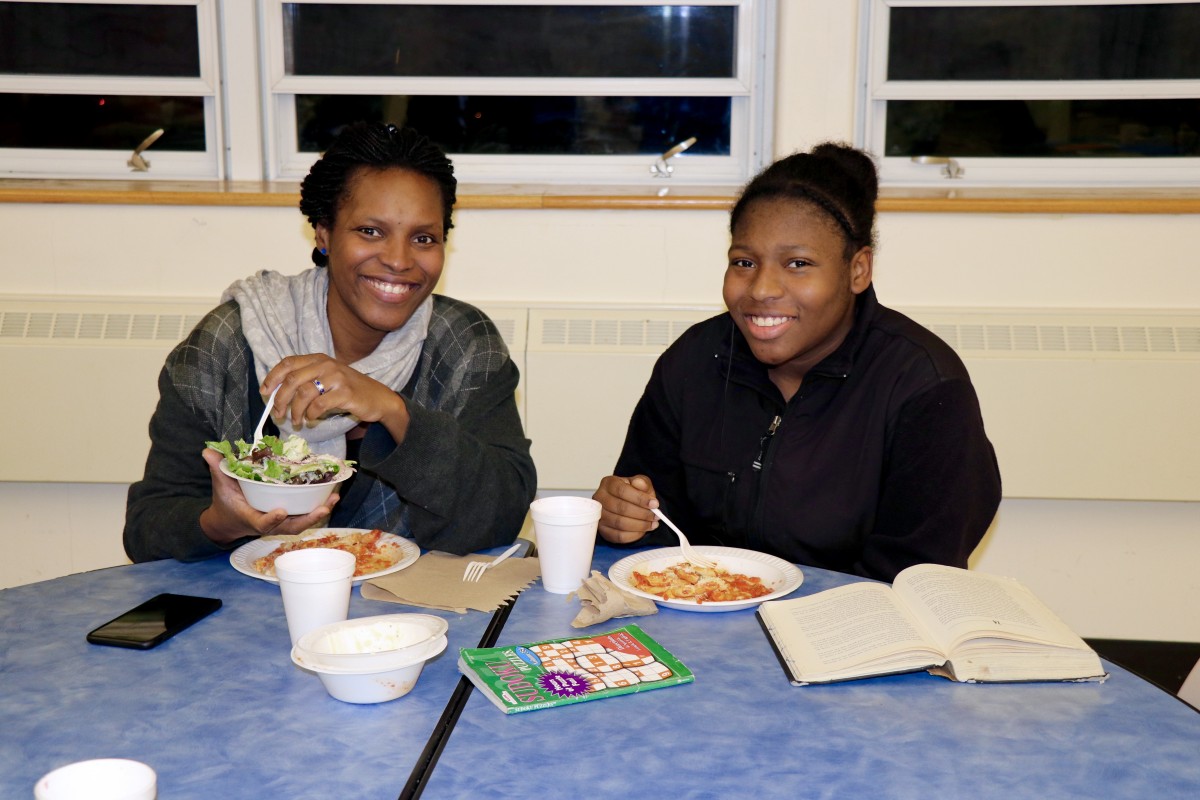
(275, 460)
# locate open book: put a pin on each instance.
(966, 626)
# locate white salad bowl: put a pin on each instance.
(292, 498)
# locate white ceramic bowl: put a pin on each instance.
(374, 684)
(379, 642)
(294, 499)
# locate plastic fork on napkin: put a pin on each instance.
(435, 581)
(601, 600)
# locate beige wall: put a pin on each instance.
(1111, 568)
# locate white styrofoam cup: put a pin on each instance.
(315, 584)
(99, 779)
(565, 529)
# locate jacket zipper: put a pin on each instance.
(729, 502)
(765, 440)
(754, 530)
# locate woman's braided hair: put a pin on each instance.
(372, 146)
(838, 179)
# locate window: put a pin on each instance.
(586, 91)
(83, 84)
(525, 91)
(1015, 92)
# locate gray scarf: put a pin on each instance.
(286, 315)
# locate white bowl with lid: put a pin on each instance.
(371, 659)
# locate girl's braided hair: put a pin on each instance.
(372, 146)
(838, 179)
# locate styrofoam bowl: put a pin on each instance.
(379, 642)
(295, 499)
(372, 685)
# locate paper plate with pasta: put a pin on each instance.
(376, 553)
(742, 578)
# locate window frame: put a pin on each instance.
(750, 91)
(111, 164)
(875, 90)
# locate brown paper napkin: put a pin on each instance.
(435, 581)
(601, 600)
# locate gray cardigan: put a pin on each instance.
(461, 481)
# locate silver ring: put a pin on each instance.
(320, 386)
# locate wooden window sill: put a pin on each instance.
(1180, 200)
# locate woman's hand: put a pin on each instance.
(316, 385)
(625, 514)
(230, 517)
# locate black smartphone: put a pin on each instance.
(154, 621)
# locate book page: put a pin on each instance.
(842, 628)
(956, 604)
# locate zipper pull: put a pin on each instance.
(763, 440)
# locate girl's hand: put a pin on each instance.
(625, 515)
(230, 517)
(313, 386)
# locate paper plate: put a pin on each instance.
(244, 557)
(779, 575)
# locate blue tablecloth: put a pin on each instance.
(742, 730)
(221, 712)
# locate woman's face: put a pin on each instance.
(386, 250)
(789, 287)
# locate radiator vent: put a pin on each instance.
(93, 326)
(1070, 339)
(606, 333)
(112, 327)
(1080, 403)
(610, 330)
(1115, 335)
(507, 328)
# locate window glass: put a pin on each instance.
(98, 39)
(510, 41)
(82, 84)
(1045, 43)
(1044, 128)
(579, 91)
(107, 122)
(529, 125)
(1020, 92)
(574, 91)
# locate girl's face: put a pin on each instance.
(386, 252)
(789, 288)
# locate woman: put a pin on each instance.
(416, 388)
(809, 421)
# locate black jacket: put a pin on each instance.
(879, 461)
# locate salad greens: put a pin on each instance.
(275, 460)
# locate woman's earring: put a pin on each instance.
(324, 252)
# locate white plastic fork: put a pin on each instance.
(689, 554)
(258, 432)
(475, 569)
